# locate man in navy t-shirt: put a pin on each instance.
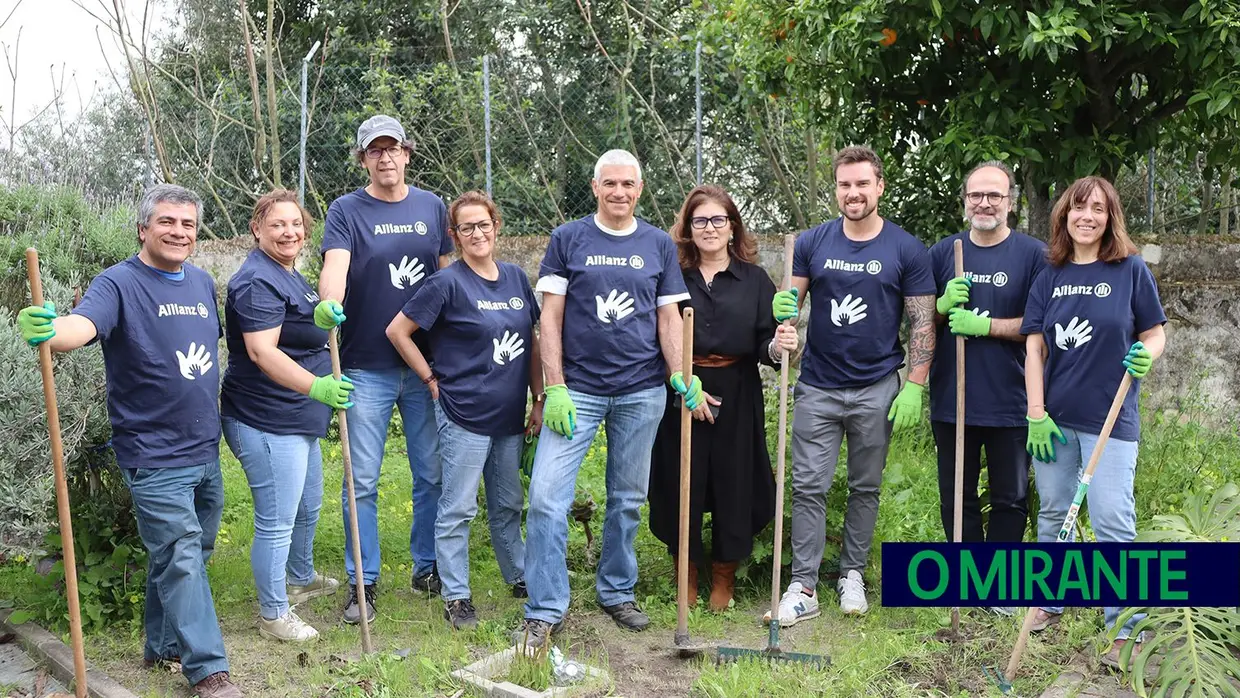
(864, 273)
(155, 317)
(379, 243)
(610, 336)
(986, 306)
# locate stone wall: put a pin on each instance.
(1198, 278)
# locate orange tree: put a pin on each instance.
(1058, 89)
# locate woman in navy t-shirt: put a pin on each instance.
(1092, 314)
(275, 404)
(479, 315)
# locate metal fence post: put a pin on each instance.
(697, 72)
(1149, 192)
(486, 115)
(301, 167)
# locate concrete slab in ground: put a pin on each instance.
(19, 672)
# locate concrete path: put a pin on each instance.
(20, 676)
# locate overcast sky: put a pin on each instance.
(56, 35)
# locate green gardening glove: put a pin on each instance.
(560, 413)
(527, 454)
(956, 293)
(906, 409)
(692, 393)
(35, 323)
(784, 305)
(328, 314)
(1042, 435)
(1139, 360)
(331, 392)
(967, 323)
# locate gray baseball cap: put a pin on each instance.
(377, 127)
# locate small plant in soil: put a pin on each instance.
(531, 669)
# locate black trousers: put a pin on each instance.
(1007, 464)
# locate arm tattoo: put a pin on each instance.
(920, 311)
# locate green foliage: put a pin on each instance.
(1197, 645)
(532, 670)
(1059, 90)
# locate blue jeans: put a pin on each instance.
(1112, 507)
(285, 472)
(375, 393)
(467, 459)
(178, 510)
(631, 424)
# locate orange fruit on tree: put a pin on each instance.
(889, 36)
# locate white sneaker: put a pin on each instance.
(851, 589)
(795, 606)
(287, 627)
(321, 585)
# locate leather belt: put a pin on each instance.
(714, 360)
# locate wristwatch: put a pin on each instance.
(541, 397)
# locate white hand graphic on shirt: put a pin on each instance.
(850, 310)
(1077, 332)
(197, 359)
(981, 313)
(616, 307)
(507, 349)
(408, 273)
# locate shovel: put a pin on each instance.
(685, 646)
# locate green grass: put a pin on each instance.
(889, 652)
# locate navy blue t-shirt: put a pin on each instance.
(1089, 315)
(857, 292)
(262, 295)
(160, 340)
(994, 368)
(394, 247)
(614, 286)
(481, 332)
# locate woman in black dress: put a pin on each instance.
(733, 331)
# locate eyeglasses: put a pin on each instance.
(991, 197)
(699, 222)
(392, 150)
(468, 229)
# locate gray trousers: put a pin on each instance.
(821, 419)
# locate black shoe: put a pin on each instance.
(427, 583)
(519, 590)
(535, 633)
(460, 614)
(628, 616)
(352, 615)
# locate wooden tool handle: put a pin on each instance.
(781, 452)
(333, 346)
(62, 486)
(686, 456)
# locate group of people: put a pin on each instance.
(433, 324)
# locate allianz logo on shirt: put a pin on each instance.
(174, 309)
(1101, 290)
(872, 267)
(513, 303)
(998, 278)
(400, 228)
(633, 262)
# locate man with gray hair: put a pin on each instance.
(985, 306)
(155, 317)
(610, 335)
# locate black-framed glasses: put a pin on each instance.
(392, 150)
(990, 197)
(468, 229)
(700, 222)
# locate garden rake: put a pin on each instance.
(685, 647)
(62, 486)
(773, 652)
(345, 456)
(1004, 680)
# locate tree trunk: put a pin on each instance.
(1224, 204)
(273, 115)
(1038, 195)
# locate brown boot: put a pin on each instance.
(723, 581)
(693, 578)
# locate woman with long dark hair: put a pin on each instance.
(733, 332)
(1093, 314)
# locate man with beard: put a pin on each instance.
(860, 270)
(1000, 265)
